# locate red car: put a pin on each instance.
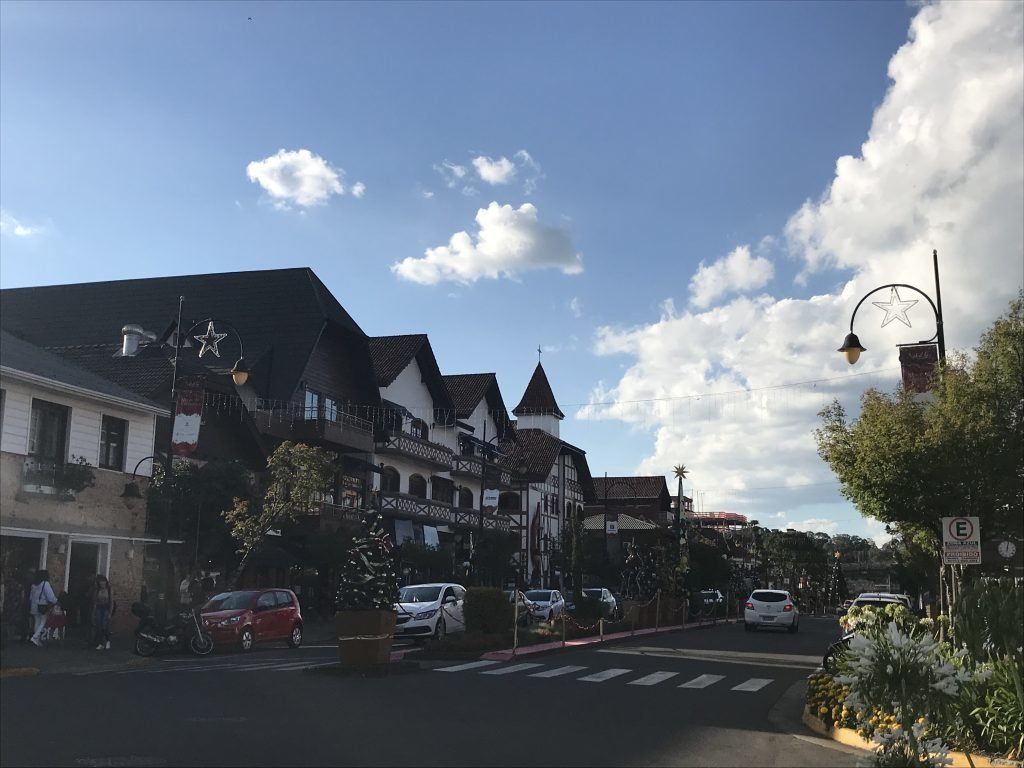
(249, 616)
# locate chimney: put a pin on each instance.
(132, 336)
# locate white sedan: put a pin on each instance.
(771, 608)
(548, 604)
(429, 610)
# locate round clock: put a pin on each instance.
(1007, 549)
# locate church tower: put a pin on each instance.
(538, 409)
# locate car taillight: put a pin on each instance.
(787, 607)
(750, 606)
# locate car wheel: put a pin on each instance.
(246, 639)
(295, 638)
(794, 627)
(439, 630)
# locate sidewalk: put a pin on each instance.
(68, 655)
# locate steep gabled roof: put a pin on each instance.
(533, 452)
(19, 356)
(278, 311)
(538, 399)
(392, 354)
(643, 487)
(468, 389)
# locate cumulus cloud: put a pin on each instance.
(498, 171)
(358, 189)
(297, 177)
(941, 167)
(508, 241)
(734, 273)
(576, 306)
(12, 227)
(813, 525)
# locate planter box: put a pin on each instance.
(364, 638)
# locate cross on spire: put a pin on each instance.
(538, 353)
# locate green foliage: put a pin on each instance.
(72, 477)
(589, 610)
(872, 621)
(368, 581)
(297, 475)
(487, 611)
(1001, 716)
(988, 619)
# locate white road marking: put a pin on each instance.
(703, 681)
(604, 674)
(510, 670)
(753, 684)
(654, 678)
(558, 671)
(463, 667)
(298, 665)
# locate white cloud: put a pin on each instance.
(498, 171)
(450, 172)
(530, 169)
(470, 191)
(427, 194)
(298, 177)
(358, 189)
(813, 525)
(508, 241)
(736, 272)
(11, 226)
(942, 167)
(576, 306)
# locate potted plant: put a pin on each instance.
(366, 597)
(63, 480)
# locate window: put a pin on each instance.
(418, 486)
(267, 602)
(112, 437)
(390, 480)
(459, 592)
(418, 428)
(48, 434)
(330, 409)
(448, 592)
(465, 498)
(312, 404)
(284, 600)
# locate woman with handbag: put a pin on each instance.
(41, 600)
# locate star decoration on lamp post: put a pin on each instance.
(895, 308)
(210, 340)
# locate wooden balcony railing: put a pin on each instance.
(437, 512)
(404, 444)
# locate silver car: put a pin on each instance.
(548, 604)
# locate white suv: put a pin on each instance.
(771, 608)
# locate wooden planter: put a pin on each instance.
(364, 637)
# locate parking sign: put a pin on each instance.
(961, 541)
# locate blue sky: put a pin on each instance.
(647, 138)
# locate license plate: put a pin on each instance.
(767, 618)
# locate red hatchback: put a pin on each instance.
(249, 616)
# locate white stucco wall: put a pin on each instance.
(549, 424)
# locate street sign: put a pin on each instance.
(961, 541)
(491, 497)
(611, 526)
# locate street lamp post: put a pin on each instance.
(239, 375)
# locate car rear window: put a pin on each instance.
(284, 598)
(875, 603)
(768, 597)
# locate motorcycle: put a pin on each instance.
(185, 631)
(831, 658)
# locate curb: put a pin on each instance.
(851, 738)
(557, 645)
(18, 671)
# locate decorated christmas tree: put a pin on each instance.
(368, 581)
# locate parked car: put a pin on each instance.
(610, 606)
(242, 618)
(771, 608)
(904, 599)
(872, 599)
(430, 610)
(525, 614)
(712, 597)
(547, 603)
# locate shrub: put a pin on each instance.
(589, 610)
(487, 611)
(988, 617)
(1001, 716)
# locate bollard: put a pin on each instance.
(562, 616)
(600, 629)
(515, 623)
(632, 619)
(657, 611)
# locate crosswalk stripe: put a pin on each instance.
(293, 667)
(558, 671)
(604, 674)
(173, 669)
(463, 667)
(654, 678)
(753, 684)
(703, 681)
(261, 665)
(510, 670)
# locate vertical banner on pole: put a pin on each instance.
(188, 414)
(918, 362)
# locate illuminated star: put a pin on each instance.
(210, 340)
(895, 309)
(680, 471)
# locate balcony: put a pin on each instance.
(432, 512)
(289, 422)
(472, 466)
(405, 445)
(59, 479)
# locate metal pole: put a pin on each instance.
(940, 333)
(657, 610)
(165, 534)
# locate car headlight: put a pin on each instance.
(232, 620)
(426, 614)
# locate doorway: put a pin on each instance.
(85, 560)
(20, 558)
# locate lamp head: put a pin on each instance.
(240, 373)
(131, 495)
(851, 348)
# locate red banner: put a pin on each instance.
(188, 414)
(918, 364)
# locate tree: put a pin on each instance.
(368, 580)
(909, 461)
(297, 476)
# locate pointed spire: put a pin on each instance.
(538, 399)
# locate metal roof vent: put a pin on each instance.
(132, 337)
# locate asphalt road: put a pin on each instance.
(711, 697)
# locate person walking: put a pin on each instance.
(41, 600)
(102, 610)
